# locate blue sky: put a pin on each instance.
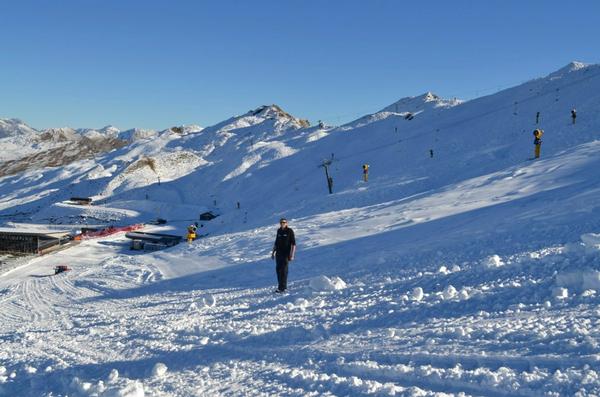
(154, 64)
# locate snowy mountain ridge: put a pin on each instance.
(14, 127)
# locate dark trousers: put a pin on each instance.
(282, 271)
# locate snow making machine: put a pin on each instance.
(61, 269)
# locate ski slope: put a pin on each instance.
(475, 272)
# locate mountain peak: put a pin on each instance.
(569, 68)
(14, 126)
(109, 130)
(62, 134)
(276, 112)
(270, 111)
(429, 96)
(186, 129)
(135, 134)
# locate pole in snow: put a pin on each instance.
(326, 164)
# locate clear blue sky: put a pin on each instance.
(154, 64)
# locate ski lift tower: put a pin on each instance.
(326, 163)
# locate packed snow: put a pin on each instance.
(461, 268)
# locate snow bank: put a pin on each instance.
(450, 292)
(560, 293)
(159, 370)
(493, 261)
(206, 300)
(417, 294)
(113, 376)
(325, 284)
(119, 388)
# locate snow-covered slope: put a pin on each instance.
(470, 272)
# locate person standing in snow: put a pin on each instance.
(537, 141)
(365, 168)
(537, 118)
(283, 252)
(573, 115)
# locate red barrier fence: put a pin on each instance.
(108, 231)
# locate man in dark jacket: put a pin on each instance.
(283, 252)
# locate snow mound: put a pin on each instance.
(560, 293)
(121, 388)
(113, 376)
(450, 292)
(493, 261)
(208, 300)
(325, 284)
(159, 370)
(417, 294)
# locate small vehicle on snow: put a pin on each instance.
(61, 269)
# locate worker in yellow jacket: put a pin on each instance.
(537, 141)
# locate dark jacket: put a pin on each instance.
(284, 241)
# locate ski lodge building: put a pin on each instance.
(17, 241)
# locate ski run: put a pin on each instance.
(460, 268)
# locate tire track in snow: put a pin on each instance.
(8, 307)
(431, 383)
(39, 308)
(16, 309)
(9, 313)
(68, 291)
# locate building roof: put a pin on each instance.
(34, 232)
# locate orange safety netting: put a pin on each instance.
(108, 231)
